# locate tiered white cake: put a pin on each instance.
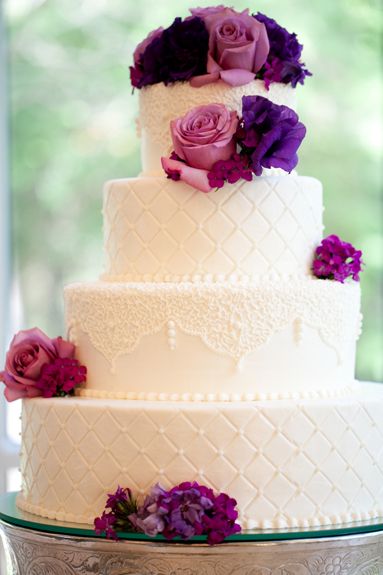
(213, 354)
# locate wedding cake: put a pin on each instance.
(219, 342)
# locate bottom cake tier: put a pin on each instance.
(289, 463)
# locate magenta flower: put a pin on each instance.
(121, 505)
(231, 170)
(121, 496)
(60, 377)
(337, 260)
(106, 523)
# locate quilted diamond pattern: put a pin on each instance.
(160, 228)
(286, 462)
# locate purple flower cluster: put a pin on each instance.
(184, 511)
(175, 54)
(60, 377)
(284, 59)
(121, 505)
(219, 43)
(269, 135)
(337, 260)
(37, 365)
(231, 170)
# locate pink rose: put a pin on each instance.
(203, 12)
(177, 170)
(205, 135)
(29, 351)
(238, 47)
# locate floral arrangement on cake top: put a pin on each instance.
(185, 510)
(212, 145)
(219, 43)
(37, 365)
(337, 260)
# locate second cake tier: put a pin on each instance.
(159, 230)
(191, 341)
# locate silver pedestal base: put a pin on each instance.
(36, 553)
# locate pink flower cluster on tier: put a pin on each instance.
(219, 43)
(184, 511)
(337, 260)
(212, 145)
(37, 365)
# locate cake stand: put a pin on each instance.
(37, 546)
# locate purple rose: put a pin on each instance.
(269, 135)
(283, 61)
(29, 352)
(238, 47)
(136, 71)
(205, 135)
(171, 55)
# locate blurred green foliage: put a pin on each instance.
(73, 127)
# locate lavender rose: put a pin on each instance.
(29, 352)
(205, 135)
(269, 135)
(238, 46)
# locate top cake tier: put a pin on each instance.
(160, 104)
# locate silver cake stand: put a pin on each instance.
(35, 546)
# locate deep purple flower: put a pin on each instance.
(106, 524)
(60, 377)
(283, 62)
(184, 511)
(269, 135)
(231, 170)
(337, 260)
(184, 507)
(191, 509)
(121, 505)
(221, 522)
(121, 495)
(176, 54)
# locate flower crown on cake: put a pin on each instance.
(219, 43)
(212, 145)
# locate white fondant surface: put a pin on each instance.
(215, 340)
(159, 104)
(156, 229)
(289, 463)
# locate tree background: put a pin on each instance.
(73, 127)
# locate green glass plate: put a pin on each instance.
(10, 513)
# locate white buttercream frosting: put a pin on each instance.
(289, 463)
(204, 339)
(159, 230)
